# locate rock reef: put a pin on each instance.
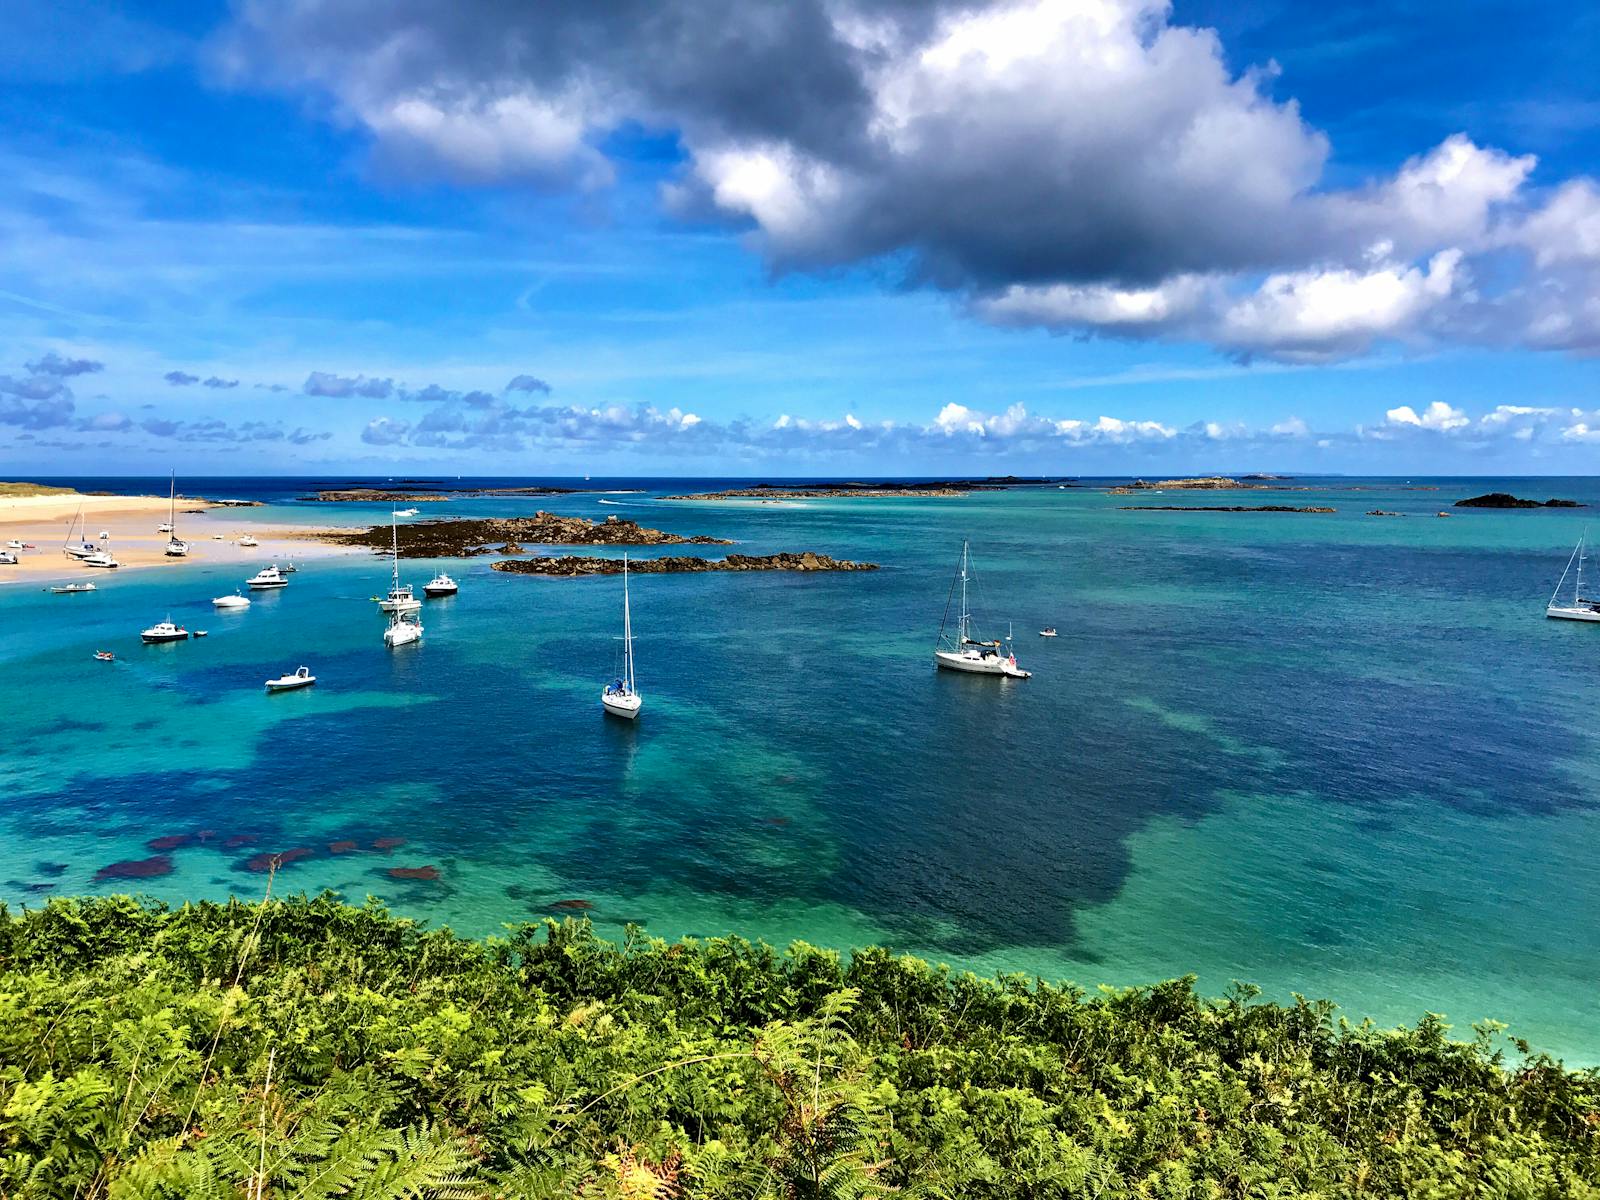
(469, 536)
(574, 565)
(420, 493)
(1507, 500)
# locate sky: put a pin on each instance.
(823, 237)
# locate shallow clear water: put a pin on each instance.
(1331, 754)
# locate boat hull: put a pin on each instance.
(978, 664)
(399, 606)
(289, 685)
(155, 639)
(440, 591)
(626, 707)
(267, 584)
(401, 635)
(1565, 612)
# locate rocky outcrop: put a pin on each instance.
(421, 493)
(469, 536)
(1507, 500)
(773, 494)
(574, 565)
(1289, 508)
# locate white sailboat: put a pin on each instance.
(400, 599)
(1580, 607)
(82, 548)
(963, 652)
(620, 697)
(175, 548)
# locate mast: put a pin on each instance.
(966, 617)
(172, 510)
(1577, 587)
(394, 543)
(627, 628)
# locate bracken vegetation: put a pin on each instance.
(312, 1049)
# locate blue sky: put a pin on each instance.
(1062, 236)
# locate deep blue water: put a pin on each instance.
(1335, 754)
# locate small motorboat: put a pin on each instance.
(216, 537)
(7, 558)
(440, 585)
(408, 512)
(1048, 631)
(247, 540)
(403, 629)
(302, 677)
(104, 656)
(267, 577)
(19, 544)
(163, 528)
(102, 559)
(200, 633)
(68, 589)
(288, 568)
(237, 600)
(105, 535)
(164, 631)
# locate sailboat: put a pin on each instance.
(175, 548)
(403, 627)
(1581, 607)
(621, 698)
(82, 548)
(400, 598)
(963, 652)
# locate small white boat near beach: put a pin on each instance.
(1579, 607)
(70, 589)
(408, 512)
(101, 559)
(247, 540)
(237, 600)
(7, 558)
(962, 651)
(621, 697)
(300, 678)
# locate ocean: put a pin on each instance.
(1336, 755)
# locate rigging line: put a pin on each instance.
(945, 620)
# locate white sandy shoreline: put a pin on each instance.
(131, 522)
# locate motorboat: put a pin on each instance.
(7, 558)
(237, 600)
(620, 697)
(288, 568)
(164, 527)
(1579, 607)
(403, 628)
(440, 585)
(101, 559)
(201, 632)
(19, 544)
(962, 651)
(267, 577)
(164, 631)
(247, 540)
(104, 656)
(408, 512)
(68, 589)
(1048, 631)
(401, 599)
(302, 677)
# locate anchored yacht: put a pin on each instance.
(621, 697)
(963, 652)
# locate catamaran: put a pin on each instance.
(621, 698)
(400, 599)
(1580, 607)
(175, 548)
(963, 652)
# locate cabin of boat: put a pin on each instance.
(267, 577)
(164, 631)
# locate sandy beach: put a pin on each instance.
(131, 522)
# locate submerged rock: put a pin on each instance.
(136, 868)
(412, 873)
(282, 858)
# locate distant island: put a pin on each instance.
(488, 535)
(1208, 483)
(1507, 500)
(852, 490)
(574, 565)
(1281, 508)
(423, 494)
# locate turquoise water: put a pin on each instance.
(1337, 755)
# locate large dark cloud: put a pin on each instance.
(1077, 167)
(35, 401)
